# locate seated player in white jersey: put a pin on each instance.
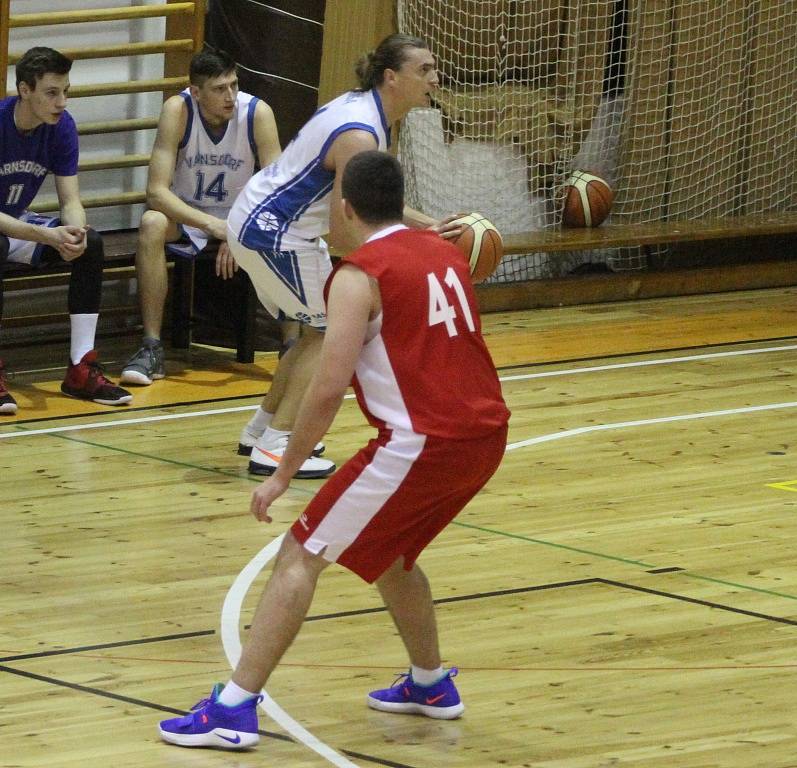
(404, 321)
(211, 139)
(38, 136)
(275, 226)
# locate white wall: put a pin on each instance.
(96, 108)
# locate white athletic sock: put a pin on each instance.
(82, 330)
(270, 436)
(258, 423)
(426, 677)
(233, 695)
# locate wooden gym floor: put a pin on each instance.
(623, 593)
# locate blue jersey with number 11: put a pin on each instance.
(26, 158)
(212, 170)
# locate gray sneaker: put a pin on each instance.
(145, 366)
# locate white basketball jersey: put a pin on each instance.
(286, 204)
(210, 172)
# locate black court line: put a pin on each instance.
(179, 712)
(106, 646)
(364, 611)
(695, 601)
(319, 617)
(114, 696)
(438, 601)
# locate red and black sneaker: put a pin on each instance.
(8, 406)
(86, 382)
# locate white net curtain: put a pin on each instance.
(685, 107)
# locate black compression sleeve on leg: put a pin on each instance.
(4, 248)
(85, 282)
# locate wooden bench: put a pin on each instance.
(120, 254)
(654, 233)
(621, 286)
(120, 249)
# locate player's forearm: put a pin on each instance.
(416, 219)
(171, 206)
(20, 230)
(73, 212)
(316, 414)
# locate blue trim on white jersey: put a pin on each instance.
(342, 129)
(385, 126)
(189, 122)
(250, 128)
(288, 202)
(214, 137)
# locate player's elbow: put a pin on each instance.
(328, 394)
(154, 198)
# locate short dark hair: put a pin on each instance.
(373, 183)
(389, 54)
(210, 62)
(39, 61)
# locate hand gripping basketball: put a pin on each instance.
(481, 243)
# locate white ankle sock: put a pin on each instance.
(258, 423)
(270, 436)
(233, 695)
(426, 676)
(82, 329)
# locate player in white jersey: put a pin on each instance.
(211, 139)
(276, 223)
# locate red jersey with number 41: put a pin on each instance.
(425, 367)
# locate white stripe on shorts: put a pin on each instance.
(28, 251)
(363, 499)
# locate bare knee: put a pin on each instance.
(154, 231)
(294, 558)
(397, 574)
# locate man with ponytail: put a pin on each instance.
(276, 224)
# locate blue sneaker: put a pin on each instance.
(211, 724)
(440, 700)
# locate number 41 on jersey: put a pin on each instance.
(440, 310)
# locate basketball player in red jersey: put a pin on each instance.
(403, 320)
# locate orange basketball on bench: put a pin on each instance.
(482, 245)
(588, 200)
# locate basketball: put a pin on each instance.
(588, 200)
(481, 243)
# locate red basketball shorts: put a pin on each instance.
(394, 496)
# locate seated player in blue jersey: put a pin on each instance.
(211, 139)
(404, 323)
(38, 136)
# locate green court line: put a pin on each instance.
(174, 462)
(552, 544)
(493, 531)
(739, 586)
(603, 556)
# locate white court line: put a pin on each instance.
(518, 377)
(644, 363)
(643, 422)
(122, 422)
(230, 616)
(231, 610)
